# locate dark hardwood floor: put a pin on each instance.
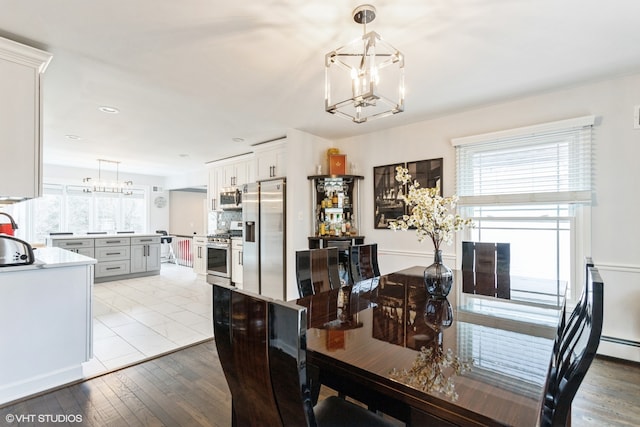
(188, 388)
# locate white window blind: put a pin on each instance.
(548, 163)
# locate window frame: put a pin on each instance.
(27, 215)
(579, 199)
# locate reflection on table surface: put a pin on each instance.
(367, 330)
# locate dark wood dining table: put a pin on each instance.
(364, 339)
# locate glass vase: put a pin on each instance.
(438, 278)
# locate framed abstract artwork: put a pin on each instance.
(386, 189)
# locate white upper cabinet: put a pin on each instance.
(233, 172)
(21, 68)
(236, 173)
(269, 160)
(216, 181)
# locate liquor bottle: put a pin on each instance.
(347, 224)
(321, 225)
(354, 229)
(331, 226)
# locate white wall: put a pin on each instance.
(303, 152)
(615, 233)
(187, 213)
(196, 179)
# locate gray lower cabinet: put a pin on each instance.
(145, 254)
(118, 257)
(113, 255)
(90, 252)
(79, 246)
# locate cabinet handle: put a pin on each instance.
(77, 243)
(113, 268)
(241, 260)
(213, 204)
(148, 240)
(114, 253)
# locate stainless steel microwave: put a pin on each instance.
(230, 198)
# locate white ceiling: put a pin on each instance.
(190, 75)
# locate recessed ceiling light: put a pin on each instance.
(237, 139)
(108, 110)
(73, 137)
(183, 155)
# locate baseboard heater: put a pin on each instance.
(620, 341)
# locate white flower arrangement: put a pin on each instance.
(430, 212)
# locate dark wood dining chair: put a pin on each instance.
(486, 268)
(240, 331)
(261, 344)
(287, 359)
(574, 350)
(363, 262)
(588, 262)
(317, 270)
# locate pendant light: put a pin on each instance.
(364, 80)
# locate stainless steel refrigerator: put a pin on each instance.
(264, 249)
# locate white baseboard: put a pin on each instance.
(37, 384)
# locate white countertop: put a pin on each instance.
(101, 236)
(51, 257)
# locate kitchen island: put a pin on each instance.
(46, 330)
(120, 256)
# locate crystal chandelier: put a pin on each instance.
(108, 186)
(364, 79)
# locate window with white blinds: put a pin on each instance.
(549, 163)
(531, 187)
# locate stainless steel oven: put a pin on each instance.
(219, 260)
(219, 255)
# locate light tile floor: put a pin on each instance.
(136, 319)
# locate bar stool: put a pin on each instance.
(166, 239)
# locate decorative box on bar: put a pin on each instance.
(337, 164)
